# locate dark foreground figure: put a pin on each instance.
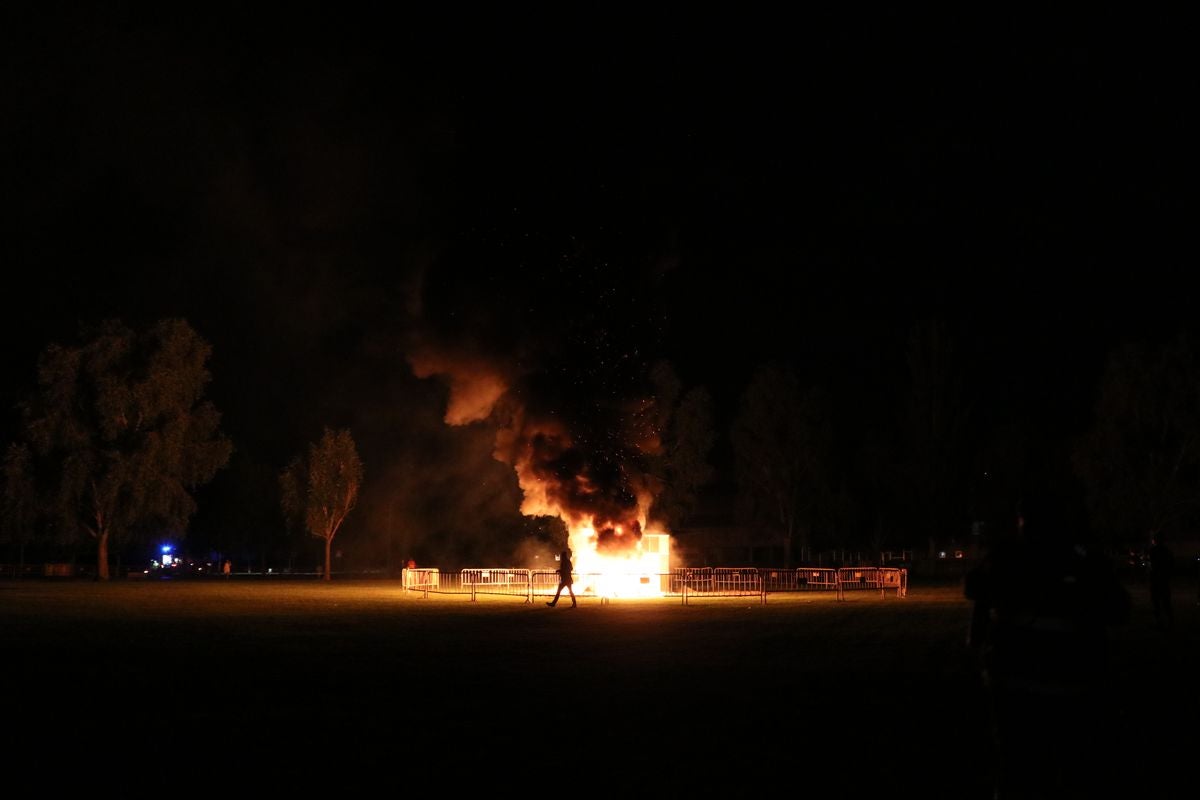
(1043, 603)
(566, 578)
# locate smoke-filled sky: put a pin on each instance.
(558, 202)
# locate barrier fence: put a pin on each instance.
(421, 580)
(686, 583)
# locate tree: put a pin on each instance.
(936, 430)
(781, 441)
(685, 438)
(1004, 470)
(1140, 462)
(122, 425)
(321, 490)
(18, 504)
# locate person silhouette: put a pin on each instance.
(1043, 601)
(565, 578)
(1161, 564)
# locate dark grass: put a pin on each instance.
(282, 684)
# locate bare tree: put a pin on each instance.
(322, 489)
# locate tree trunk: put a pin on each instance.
(328, 544)
(102, 556)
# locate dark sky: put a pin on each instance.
(314, 189)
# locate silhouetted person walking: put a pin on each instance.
(565, 578)
(1162, 562)
(1043, 602)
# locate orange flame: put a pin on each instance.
(639, 570)
(605, 512)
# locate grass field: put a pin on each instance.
(283, 683)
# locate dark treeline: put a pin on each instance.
(945, 454)
(792, 456)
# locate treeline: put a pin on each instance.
(946, 467)
(117, 438)
(117, 442)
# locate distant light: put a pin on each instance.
(166, 548)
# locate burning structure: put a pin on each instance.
(593, 474)
(556, 347)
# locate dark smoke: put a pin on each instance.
(553, 347)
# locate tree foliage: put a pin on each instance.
(685, 438)
(1140, 461)
(782, 440)
(121, 423)
(935, 441)
(18, 503)
(320, 490)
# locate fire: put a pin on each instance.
(587, 468)
(638, 570)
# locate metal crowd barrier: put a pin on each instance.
(894, 578)
(515, 582)
(420, 580)
(881, 578)
(524, 583)
(686, 583)
(697, 579)
(801, 579)
(719, 582)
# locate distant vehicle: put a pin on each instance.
(169, 564)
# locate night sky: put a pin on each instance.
(324, 193)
